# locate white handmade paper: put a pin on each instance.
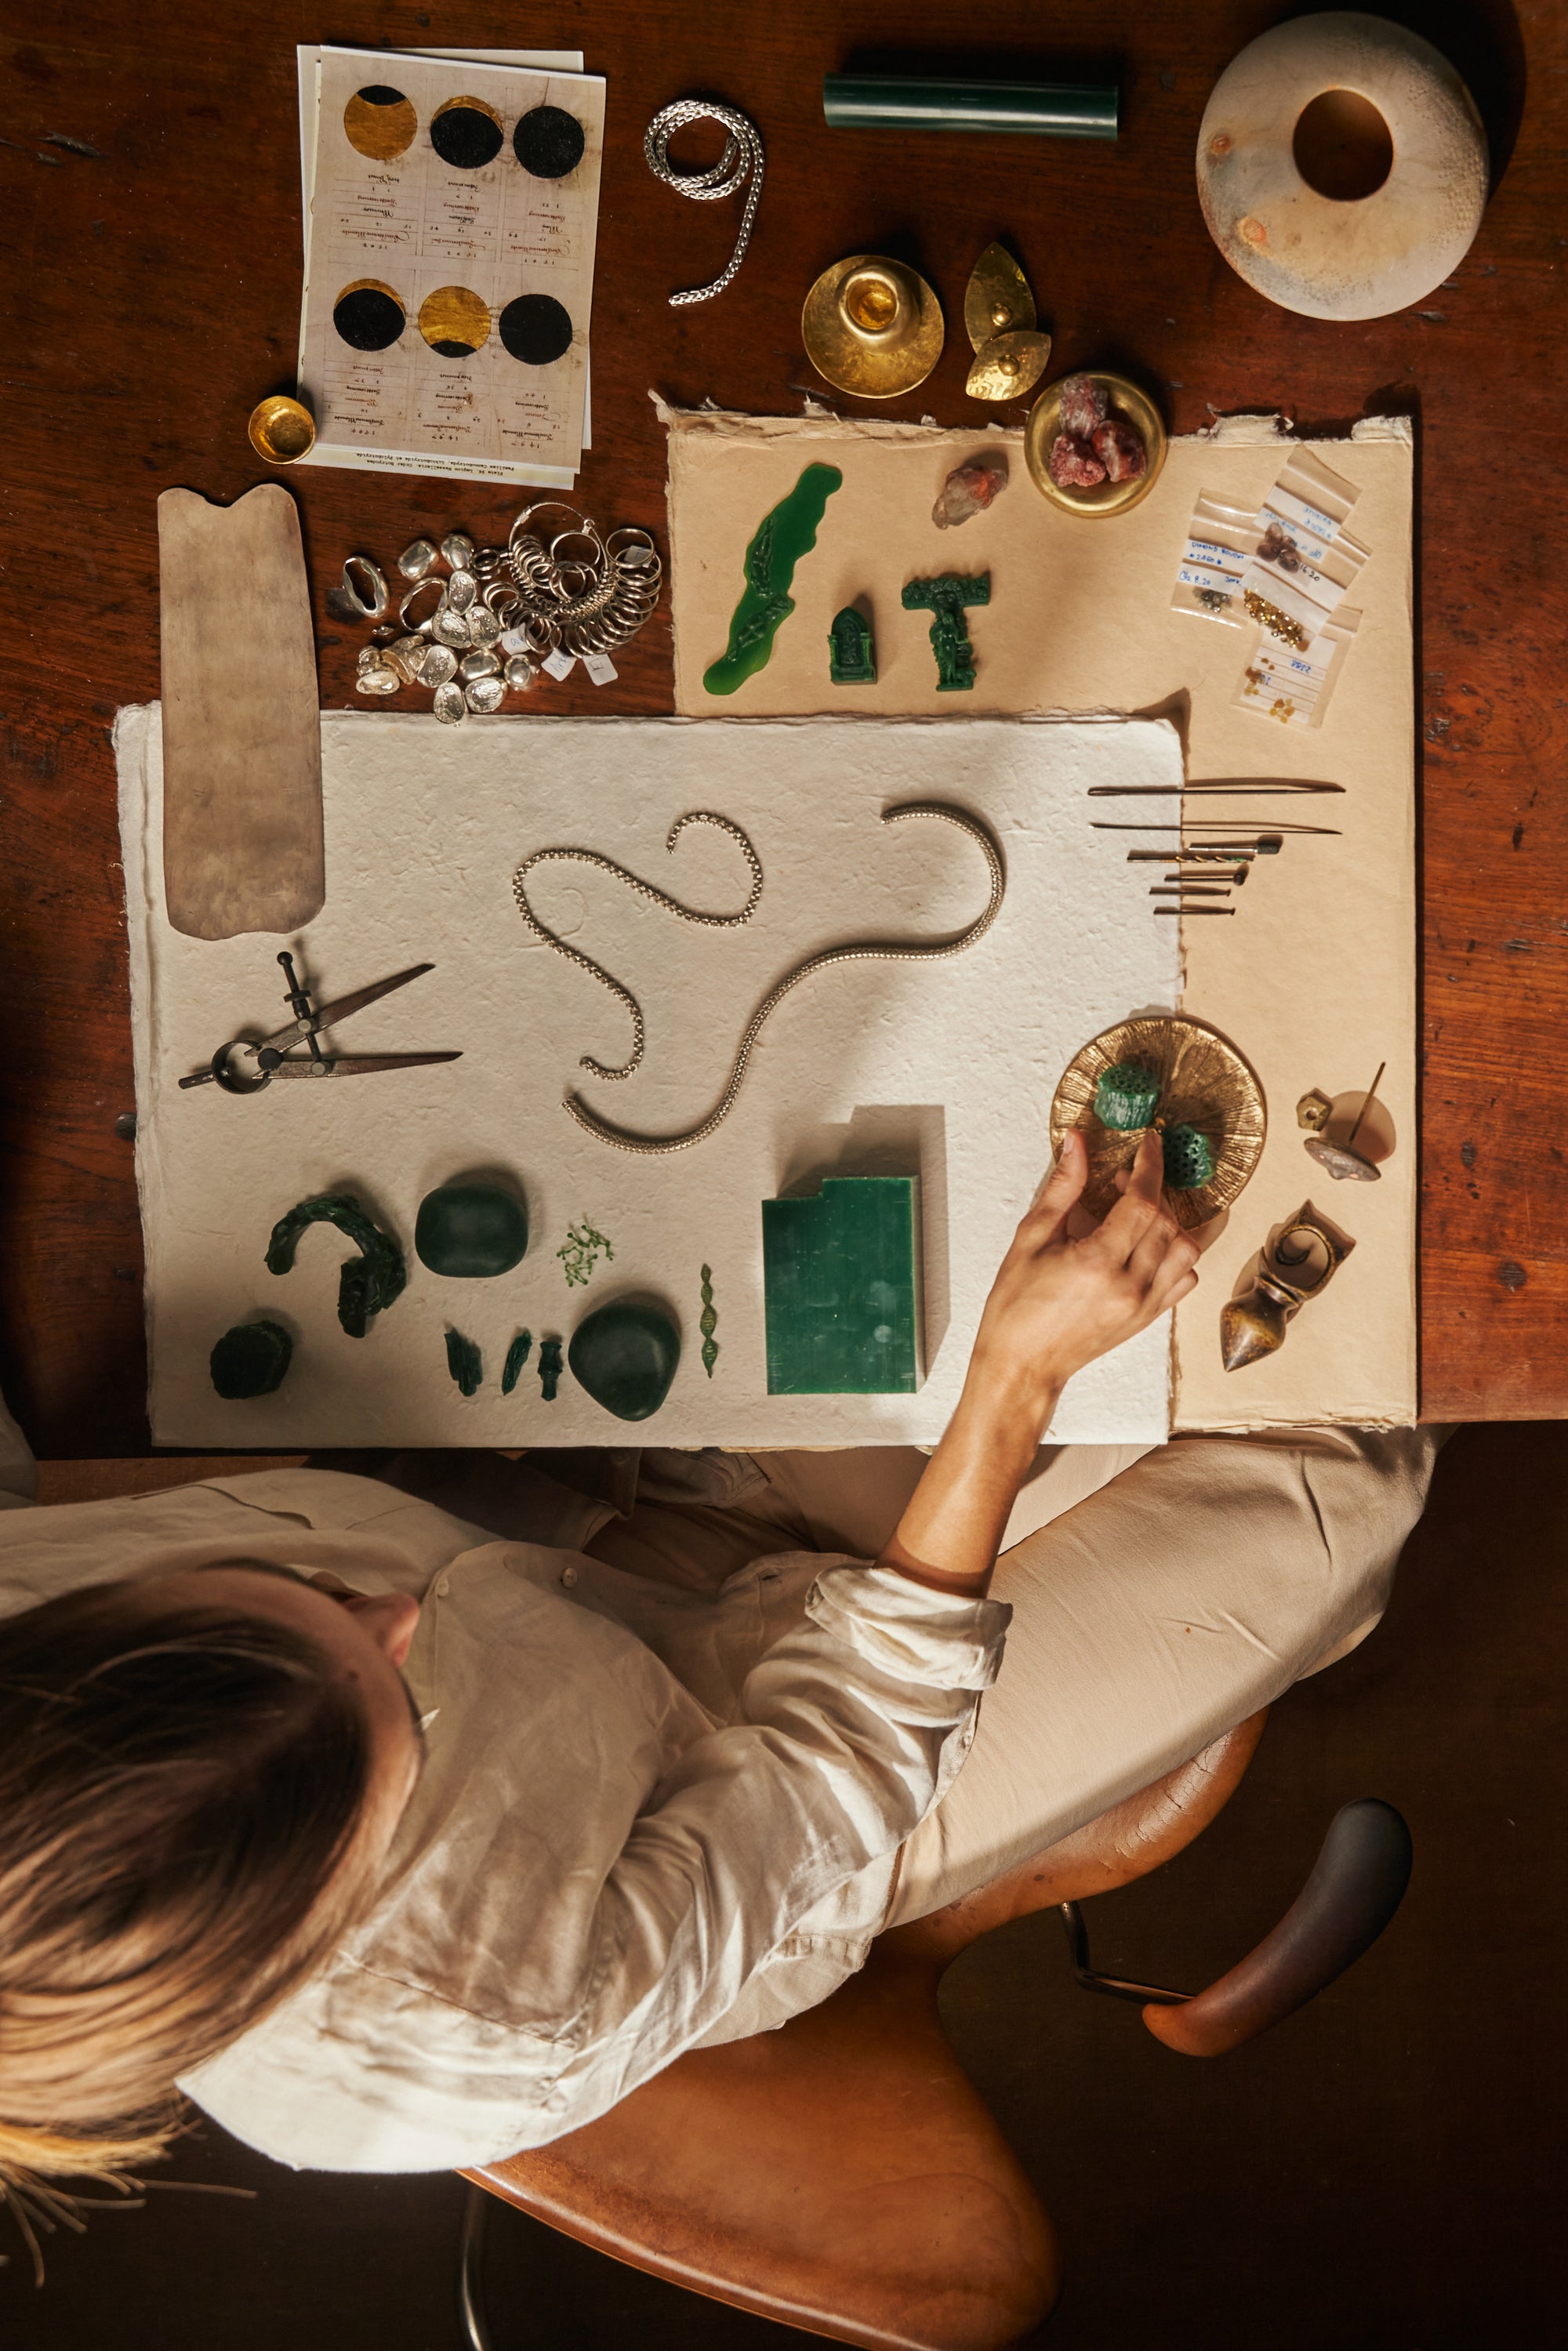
(941, 1069)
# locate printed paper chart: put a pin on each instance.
(943, 1069)
(451, 215)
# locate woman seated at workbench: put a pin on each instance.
(402, 1839)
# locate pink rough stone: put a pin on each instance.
(1082, 406)
(968, 490)
(1119, 450)
(1072, 464)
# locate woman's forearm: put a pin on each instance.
(950, 1532)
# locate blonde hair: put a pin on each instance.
(180, 1789)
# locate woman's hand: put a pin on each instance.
(1057, 1302)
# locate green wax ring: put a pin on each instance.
(625, 1356)
(468, 1230)
(251, 1360)
(1125, 1097)
(1189, 1158)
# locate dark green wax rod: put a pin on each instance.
(906, 102)
(786, 533)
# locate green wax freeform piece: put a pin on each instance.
(841, 1291)
(517, 1356)
(1126, 1096)
(463, 1361)
(786, 533)
(1189, 1158)
(250, 1360)
(365, 1284)
(625, 1356)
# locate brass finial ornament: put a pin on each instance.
(1340, 1159)
(1182, 1077)
(872, 327)
(1001, 322)
(1297, 1265)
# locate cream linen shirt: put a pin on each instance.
(647, 1817)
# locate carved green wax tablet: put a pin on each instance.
(840, 1289)
(463, 1363)
(786, 533)
(1189, 1158)
(468, 1230)
(625, 1355)
(251, 1359)
(1125, 1097)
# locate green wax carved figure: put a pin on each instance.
(852, 656)
(946, 598)
(517, 1356)
(786, 533)
(366, 1283)
(1188, 1156)
(251, 1360)
(463, 1362)
(1126, 1096)
(471, 1229)
(625, 1355)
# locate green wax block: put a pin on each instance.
(840, 1289)
(1126, 1097)
(471, 1229)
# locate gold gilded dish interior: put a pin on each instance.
(1123, 399)
(872, 327)
(281, 430)
(1204, 1082)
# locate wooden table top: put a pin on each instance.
(149, 168)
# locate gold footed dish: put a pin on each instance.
(872, 327)
(1125, 399)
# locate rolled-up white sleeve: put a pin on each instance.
(852, 1727)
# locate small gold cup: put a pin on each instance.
(281, 430)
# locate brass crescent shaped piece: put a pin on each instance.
(1204, 1082)
(643, 890)
(856, 951)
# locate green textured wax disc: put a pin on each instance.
(471, 1229)
(625, 1356)
(1189, 1158)
(251, 1359)
(1125, 1097)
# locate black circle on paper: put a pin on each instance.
(464, 137)
(380, 93)
(367, 318)
(548, 142)
(536, 328)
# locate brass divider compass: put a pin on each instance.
(270, 1056)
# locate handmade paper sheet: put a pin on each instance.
(1314, 976)
(943, 1069)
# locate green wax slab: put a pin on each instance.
(840, 1289)
(463, 1363)
(786, 533)
(625, 1356)
(466, 1230)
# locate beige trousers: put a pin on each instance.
(1160, 1596)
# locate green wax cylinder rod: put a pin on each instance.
(1046, 109)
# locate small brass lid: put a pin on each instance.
(281, 430)
(997, 301)
(872, 327)
(1007, 366)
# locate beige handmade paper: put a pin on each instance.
(1314, 978)
(941, 1068)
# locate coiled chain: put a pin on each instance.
(858, 951)
(740, 166)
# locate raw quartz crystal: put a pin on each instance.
(1092, 446)
(1119, 450)
(969, 490)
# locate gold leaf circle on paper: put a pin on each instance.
(379, 122)
(1204, 1082)
(454, 321)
